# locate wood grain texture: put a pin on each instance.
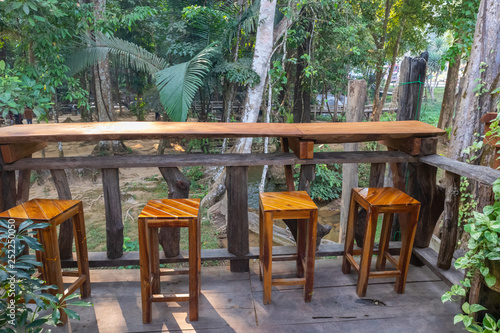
(302, 149)
(14, 152)
(318, 132)
(175, 160)
(366, 131)
(479, 173)
(450, 221)
(237, 216)
(113, 211)
(66, 229)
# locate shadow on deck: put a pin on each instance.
(232, 302)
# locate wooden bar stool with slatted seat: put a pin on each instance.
(387, 201)
(56, 212)
(169, 213)
(288, 205)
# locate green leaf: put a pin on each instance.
(178, 85)
(37, 323)
(490, 280)
(71, 314)
(484, 271)
(81, 303)
(475, 328)
(458, 318)
(26, 8)
(467, 321)
(466, 308)
(2, 65)
(476, 308)
(489, 322)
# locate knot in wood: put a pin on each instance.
(182, 185)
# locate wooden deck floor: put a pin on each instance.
(232, 302)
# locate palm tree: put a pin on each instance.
(177, 85)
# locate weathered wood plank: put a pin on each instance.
(65, 228)
(142, 161)
(100, 259)
(450, 225)
(14, 152)
(479, 173)
(237, 216)
(429, 257)
(113, 209)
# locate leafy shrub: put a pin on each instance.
(328, 183)
(18, 286)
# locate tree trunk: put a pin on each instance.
(356, 96)
(377, 108)
(102, 88)
(483, 69)
(448, 105)
(178, 188)
(260, 65)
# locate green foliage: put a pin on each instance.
(139, 109)
(18, 286)
(483, 245)
(18, 90)
(327, 184)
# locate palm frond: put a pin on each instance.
(95, 48)
(178, 84)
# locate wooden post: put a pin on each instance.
(356, 98)
(23, 186)
(421, 185)
(113, 208)
(411, 88)
(237, 216)
(178, 188)
(65, 228)
(450, 225)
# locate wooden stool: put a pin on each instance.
(288, 205)
(55, 212)
(171, 213)
(386, 200)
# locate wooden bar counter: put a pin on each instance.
(406, 141)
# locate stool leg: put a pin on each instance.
(154, 260)
(349, 239)
(310, 255)
(385, 236)
(302, 235)
(193, 271)
(198, 228)
(267, 258)
(145, 273)
(53, 271)
(81, 250)
(261, 242)
(367, 252)
(407, 237)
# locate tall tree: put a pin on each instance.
(261, 63)
(481, 80)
